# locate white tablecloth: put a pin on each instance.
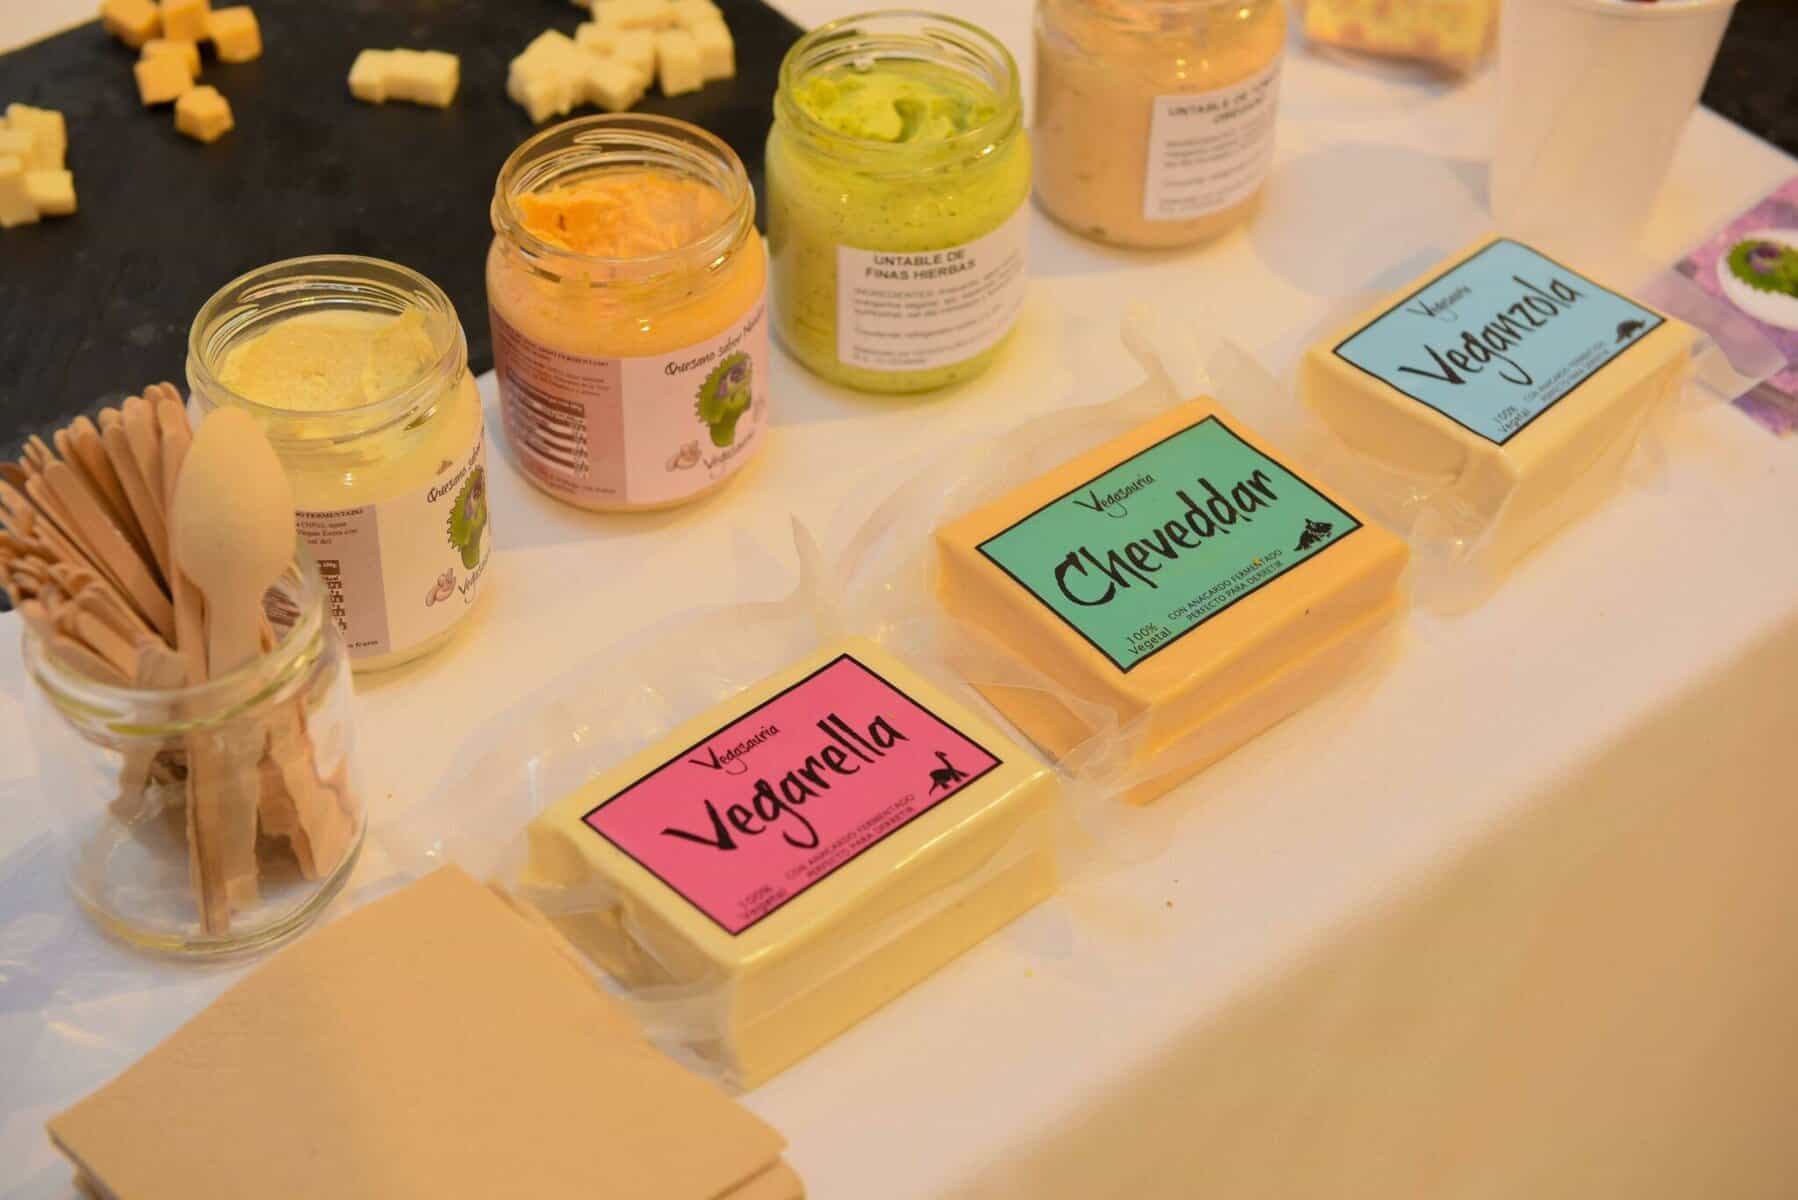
(1513, 917)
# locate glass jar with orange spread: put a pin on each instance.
(627, 288)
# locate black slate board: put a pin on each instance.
(94, 306)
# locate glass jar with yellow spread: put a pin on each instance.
(1155, 118)
(628, 291)
(898, 175)
(357, 369)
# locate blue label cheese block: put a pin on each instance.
(1502, 381)
(1181, 578)
(794, 859)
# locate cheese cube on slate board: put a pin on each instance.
(185, 20)
(203, 114)
(235, 34)
(165, 226)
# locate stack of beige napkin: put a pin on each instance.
(437, 1043)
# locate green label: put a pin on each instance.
(1138, 557)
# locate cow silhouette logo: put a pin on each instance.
(946, 776)
(1629, 329)
(1315, 532)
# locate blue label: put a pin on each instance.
(1497, 341)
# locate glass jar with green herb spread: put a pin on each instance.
(898, 176)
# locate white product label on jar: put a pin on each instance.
(935, 308)
(400, 572)
(1210, 150)
(635, 431)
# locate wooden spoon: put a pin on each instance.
(232, 531)
(232, 534)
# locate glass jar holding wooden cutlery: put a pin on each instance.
(196, 819)
(191, 696)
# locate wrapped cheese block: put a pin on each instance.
(1453, 34)
(1501, 387)
(1179, 579)
(786, 863)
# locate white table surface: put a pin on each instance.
(1512, 917)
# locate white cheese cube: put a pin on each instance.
(49, 133)
(687, 14)
(634, 14)
(423, 76)
(637, 48)
(677, 59)
(188, 52)
(160, 80)
(368, 76)
(554, 46)
(52, 192)
(542, 87)
(717, 53)
(185, 20)
(235, 34)
(613, 84)
(16, 207)
(203, 114)
(600, 39)
(133, 22)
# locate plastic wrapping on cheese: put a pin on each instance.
(1139, 587)
(797, 855)
(1452, 34)
(755, 828)
(1502, 393)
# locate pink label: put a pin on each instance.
(774, 802)
(648, 430)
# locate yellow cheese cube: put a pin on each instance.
(53, 192)
(236, 36)
(1504, 381)
(677, 61)
(162, 79)
(203, 114)
(1180, 577)
(423, 76)
(188, 52)
(19, 144)
(16, 207)
(368, 76)
(1450, 33)
(49, 134)
(185, 20)
(717, 53)
(133, 22)
(804, 852)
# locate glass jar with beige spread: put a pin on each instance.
(1155, 118)
(627, 288)
(357, 370)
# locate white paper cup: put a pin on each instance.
(1593, 96)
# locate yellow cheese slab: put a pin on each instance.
(1452, 33)
(1179, 576)
(801, 854)
(1404, 384)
